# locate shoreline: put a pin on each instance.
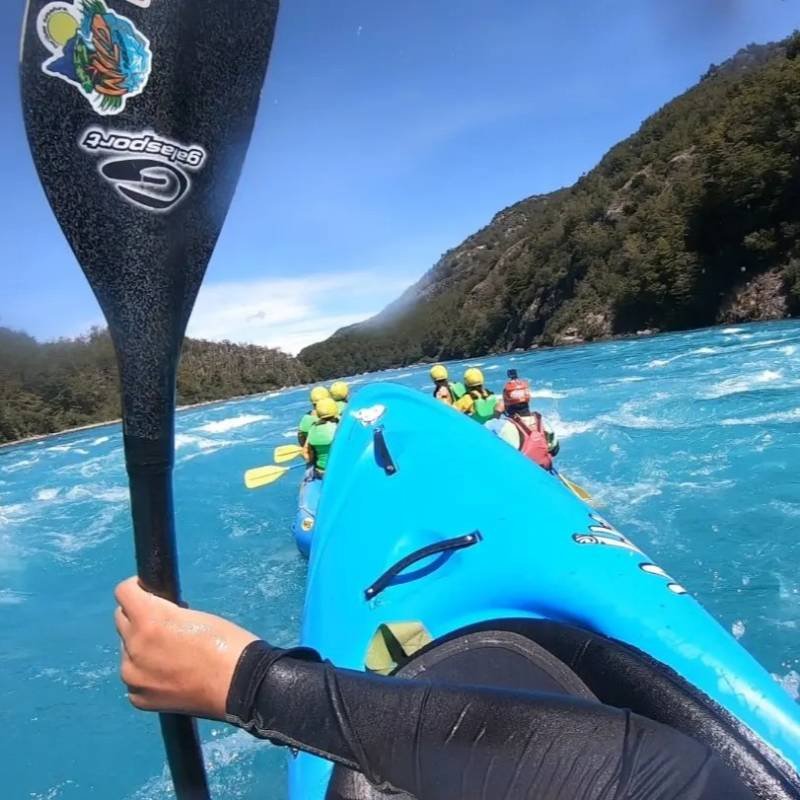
(644, 334)
(112, 422)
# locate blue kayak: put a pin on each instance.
(305, 519)
(431, 524)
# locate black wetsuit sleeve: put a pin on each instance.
(443, 742)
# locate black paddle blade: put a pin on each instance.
(139, 114)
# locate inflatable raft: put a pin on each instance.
(417, 546)
(305, 519)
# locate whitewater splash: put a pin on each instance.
(777, 418)
(11, 598)
(233, 423)
(547, 394)
(657, 363)
(749, 383)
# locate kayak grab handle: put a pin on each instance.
(448, 545)
(382, 454)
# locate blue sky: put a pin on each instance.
(388, 133)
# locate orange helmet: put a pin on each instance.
(516, 393)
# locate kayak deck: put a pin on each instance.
(539, 554)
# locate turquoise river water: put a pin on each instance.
(690, 441)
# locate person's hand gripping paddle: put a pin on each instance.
(139, 115)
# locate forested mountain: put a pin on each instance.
(691, 221)
(56, 385)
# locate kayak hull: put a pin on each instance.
(542, 554)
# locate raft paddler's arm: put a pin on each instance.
(440, 742)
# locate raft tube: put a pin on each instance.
(305, 519)
(541, 560)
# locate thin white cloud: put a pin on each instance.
(290, 313)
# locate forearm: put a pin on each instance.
(441, 742)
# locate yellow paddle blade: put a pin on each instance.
(578, 491)
(263, 476)
(287, 452)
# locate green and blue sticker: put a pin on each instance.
(98, 51)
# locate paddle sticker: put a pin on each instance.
(153, 173)
(141, 3)
(99, 52)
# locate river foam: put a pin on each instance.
(233, 423)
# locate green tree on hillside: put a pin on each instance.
(49, 387)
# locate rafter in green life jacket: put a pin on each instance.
(320, 437)
(320, 441)
(340, 392)
(305, 426)
(448, 391)
(484, 405)
(484, 401)
(444, 389)
(310, 417)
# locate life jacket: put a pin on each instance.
(306, 421)
(485, 403)
(320, 438)
(534, 442)
(305, 426)
(456, 391)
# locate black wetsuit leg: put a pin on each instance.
(443, 742)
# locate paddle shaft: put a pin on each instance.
(149, 464)
(577, 490)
